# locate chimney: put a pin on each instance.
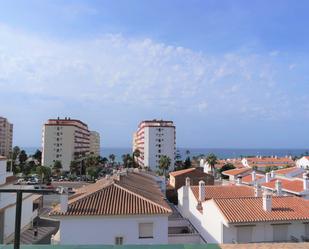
(188, 181)
(272, 174)
(305, 181)
(201, 191)
(267, 177)
(239, 180)
(278, 188)
(64, 200)
(257, 191)
(267, 202)
(253, 174)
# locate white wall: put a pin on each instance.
(302, 163)
(2, 171)
(167, 145)
(103, 230)
(26, 217)
(213, 227)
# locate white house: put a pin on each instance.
(232, 215)
(127, 210)
(303, 162)
(8, 206)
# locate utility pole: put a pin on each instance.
(19, 200)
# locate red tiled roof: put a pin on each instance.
(293, 185)
(250, 209)
(229, 191)
(286, 170)
(133, 194)
(234, 172)
(180, 172)
(307, 157)
(269, 160)
(191, 171)
(248, 178)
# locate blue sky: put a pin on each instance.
(228, 73)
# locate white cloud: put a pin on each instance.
(113, 69)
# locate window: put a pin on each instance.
(307, 229)
(145, 230)
(118, 240)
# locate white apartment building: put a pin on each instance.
(64, 140)
(95, 143)
(155, 138)
(6, 137)
(8, 205)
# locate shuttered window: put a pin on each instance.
(145, 230)
(244, 234)
(280, 233)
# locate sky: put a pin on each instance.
(230, 74)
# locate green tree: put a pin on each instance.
(164, 164)
(127, 161)
(136, 155)
(57, 167)
(38, 155)
(212, 160)
(22, 157)
(92, 172)
(112, 158)
(16, 151)
(225, 167)
(104, 160)
(43, 172)
(187, 163)
(74, 167)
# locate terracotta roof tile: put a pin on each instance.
(250, 209)
(180, 172)
(289, 185)
(234, 172)
(133, 194)
(229, 191)
(248, 178)
(286, 170)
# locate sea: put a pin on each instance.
(222, 153)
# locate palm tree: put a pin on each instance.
(127, 160)
(112, 158)
(212, 160)
(57, 167)
(44, 172)
(136, 154)
(74, 167)
(164, 164)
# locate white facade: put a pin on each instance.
(155, 139)
(92, 230)
(214, 228)
(64, 140)
(95, 143)
(303, 162)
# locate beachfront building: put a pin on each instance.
(243, 214)
(129, 208)
(303, 162)
(6, 137)
(95, 143)
(155, 138)
(65, 140)
(30, 205)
